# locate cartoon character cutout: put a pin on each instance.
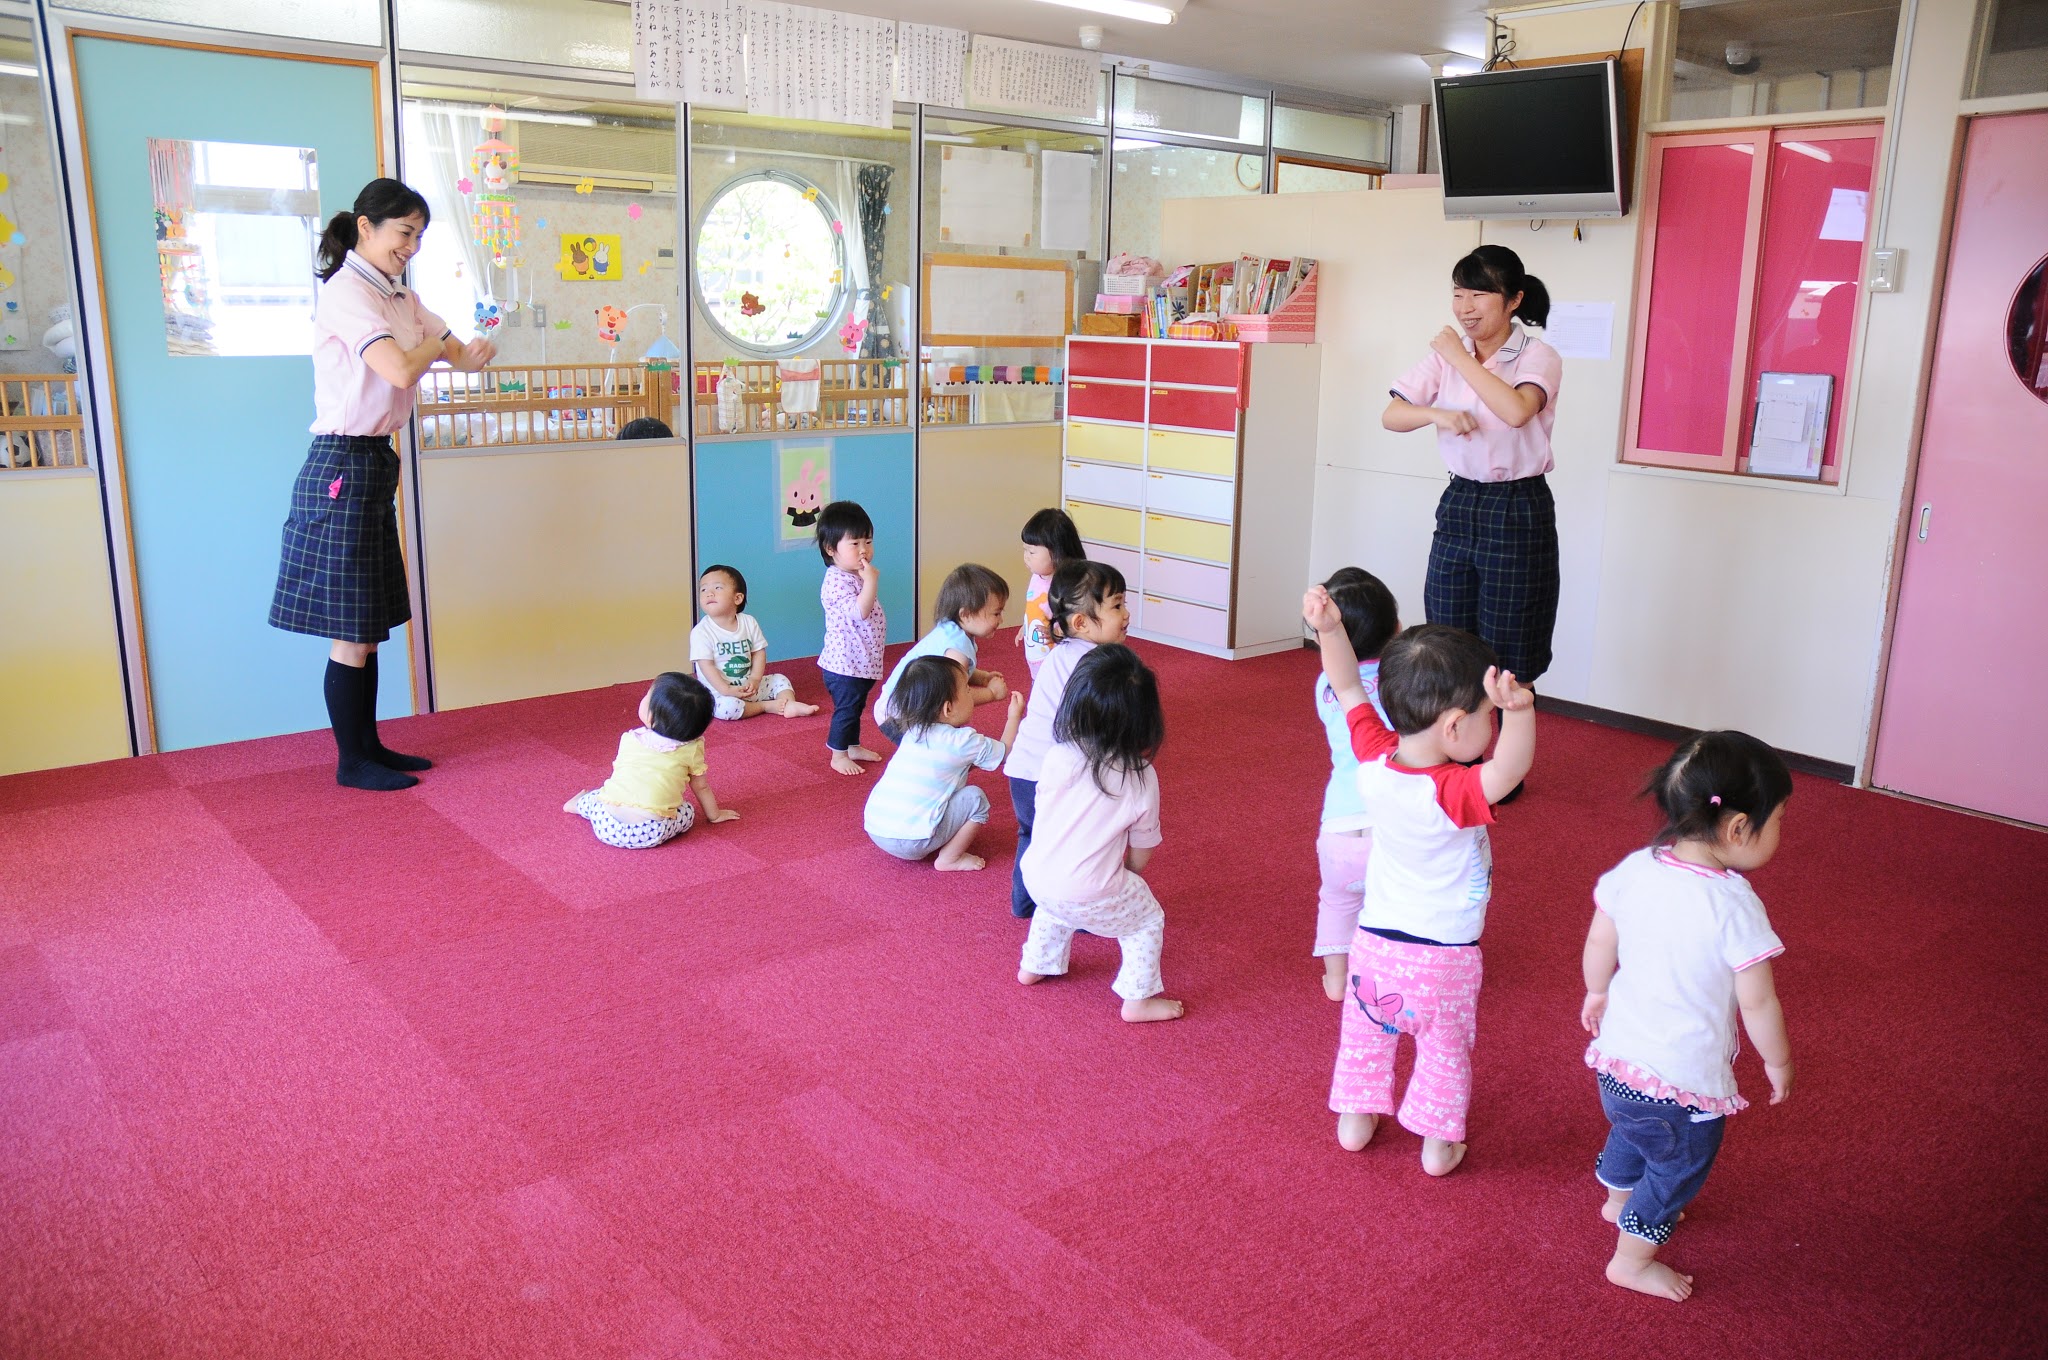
(580, 255)
(610, 321)
(751, 305)
(601, 260)
(806, 496)
(486, 317)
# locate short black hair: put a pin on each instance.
(646, 427)
(968, 588)
(927, 685)
(739, 582)
(1080, 588)
(679, 705)
(1054, 531)
(1429, 670)
(837, 521)
(1367, 608)
(1712, 776)
(1110, 709)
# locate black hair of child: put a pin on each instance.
(837, 521)
(1714, 775)
(929, 683)
(967, 589)
(679, 705)
(1367, 608)
(1080, 588)
(380, 201)
(646, 427)
(739, 582)
(1054, 531)
(1429, 670)
(1496, 269)
(1110, 709)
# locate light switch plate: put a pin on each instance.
(1886, 265)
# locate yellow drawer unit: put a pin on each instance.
(1179, 537)
(1106, 443)
(1108, 524)
(1213, 454)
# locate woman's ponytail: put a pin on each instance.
(335, 244)
(1535, 308)
(380, 201)
(1496, 269)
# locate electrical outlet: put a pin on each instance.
(1886, 266)
(540, 314)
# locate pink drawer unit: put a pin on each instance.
(1189, 622)
(1123, 559)
(1198, 365)
(1106, 401)
(1105, 359)
(1193, 581)
(1193, 409)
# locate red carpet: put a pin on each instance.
(287, 1070)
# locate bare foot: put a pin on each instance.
(1027, 977)
(1153, 1008)
(1354, 1131)
(862, 753)
(844, 762)
(1649, 1276)
(792, 709)
(570, 806)
(1334, 968)
(1440, 1158)
(959, 863)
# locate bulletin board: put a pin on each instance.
(996, 300)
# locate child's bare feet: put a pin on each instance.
(1354, 1131)
(1441, 1158)
(1334, 968)
(570, 806)
(844, 762)
(959, 862)
(862, 753)
(1027, 977)
(1153, 1008)
(1635, 1266)
(788, 707)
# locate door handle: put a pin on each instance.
(1925, 512)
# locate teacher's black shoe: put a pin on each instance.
(355, 768)
(378, 751)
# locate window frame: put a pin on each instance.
(841, 294)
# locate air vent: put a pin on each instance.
(615, 157)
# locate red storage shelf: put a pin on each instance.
(1106, 359)
(1106, 401)
(1211, 365)
(1195, 410)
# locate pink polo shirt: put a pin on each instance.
(1496, 451)
(359, 306)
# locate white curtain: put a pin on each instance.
(846, 203)
(441, 145)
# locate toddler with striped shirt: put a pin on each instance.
(923, 807)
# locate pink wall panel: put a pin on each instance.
(1695, 297)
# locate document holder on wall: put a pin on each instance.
(1790, 432)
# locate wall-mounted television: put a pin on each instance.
(1539, 142)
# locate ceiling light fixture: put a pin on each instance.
(1144, 11)
(1451, 63)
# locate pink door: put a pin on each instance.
(1963, 721)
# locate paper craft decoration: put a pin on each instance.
(610, 321)
(820, 65)
(586, 185)
(931, 65)
(850, 336)
(590, 258)
(486, 317)
(494, 214)
(803, 486)
(750, 305)
(1055, 81)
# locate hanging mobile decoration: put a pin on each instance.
(495, 213)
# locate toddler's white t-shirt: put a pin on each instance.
(732, 653)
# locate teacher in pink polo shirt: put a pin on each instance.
(341, 574)
(1489, 389)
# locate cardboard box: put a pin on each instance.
(1101, 323)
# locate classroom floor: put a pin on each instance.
(287, 1070)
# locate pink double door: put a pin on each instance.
(1964, 721)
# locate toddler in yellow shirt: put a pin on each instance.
(641, 805)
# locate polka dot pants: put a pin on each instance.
(642, 834)
(732, 709)
(1132, 917)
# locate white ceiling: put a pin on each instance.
(1365, 48)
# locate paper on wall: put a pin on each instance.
(1067, 201)
(1789, 434)
(1581, 330)
(1056, 81)
(931, 65)
(820, 65)
(985, 197)
(1847, 216)
(998, 302)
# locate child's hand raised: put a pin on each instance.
(1319, 611)
(1508, 694)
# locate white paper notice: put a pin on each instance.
(1848, 214)
(658, 49)
(1790, 432)
(931, 65)
(1781, 418)
(1581, 330)
(1067, 201)
(1055, 81)
(820, 65)
(985, 197)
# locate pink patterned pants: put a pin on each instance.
(1343, 859)
(1429, 991)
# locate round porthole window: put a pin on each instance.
(769, 266)
(2026, 331)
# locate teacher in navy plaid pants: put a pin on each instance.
(341, 572)
(1489, 388)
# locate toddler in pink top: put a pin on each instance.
(855, 629)
(1097, 825)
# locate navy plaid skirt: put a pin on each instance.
(1493, 568)
(341, 574)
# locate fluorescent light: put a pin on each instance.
(18, 68)
(1807, 149)
(1451, 63)
(1124, 9)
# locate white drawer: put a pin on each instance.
(1110, 485)
(1172, 618)
(1201, 497)
(1123, 559)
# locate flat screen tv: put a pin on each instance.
(1541, 142)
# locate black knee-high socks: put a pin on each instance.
(362, 762)
(379, 752)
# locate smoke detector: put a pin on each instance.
(1091, 37)
(1741, 59)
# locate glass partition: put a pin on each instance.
(802, 273)
(1150, 108)
(1754, 57)
(1144, 174)
(1316, 135)
(344, 21)
(594, 35)
(2012, 48)
(1005, 203)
